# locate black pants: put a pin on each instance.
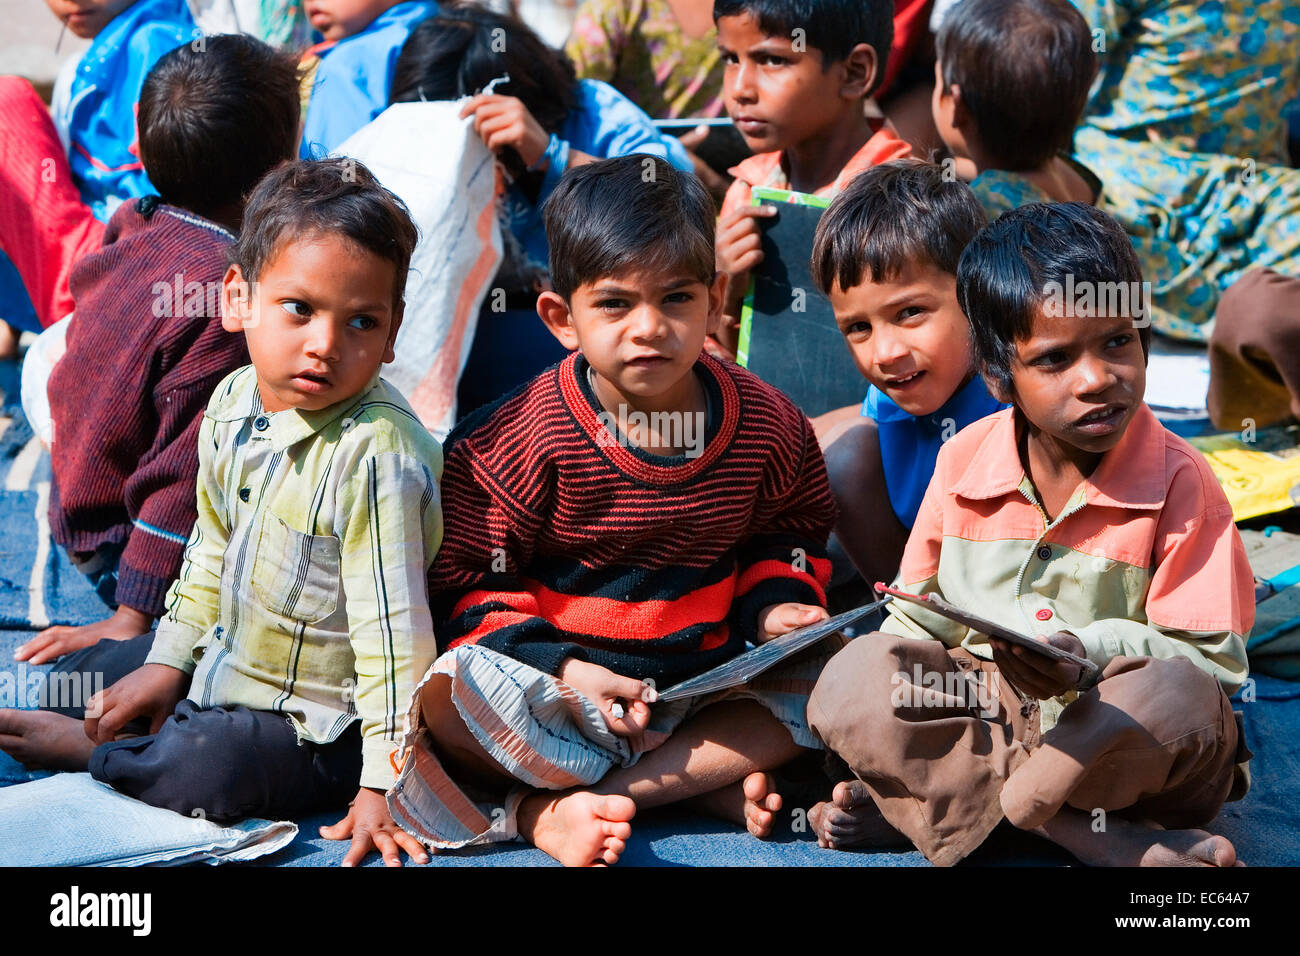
(223, 764)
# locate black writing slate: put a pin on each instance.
(788, 333)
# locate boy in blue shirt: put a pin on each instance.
(69, 168)
(347, 78)
(886, 253)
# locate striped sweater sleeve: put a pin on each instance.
(786, 561)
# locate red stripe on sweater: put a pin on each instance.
(816, 576)
(634, 621)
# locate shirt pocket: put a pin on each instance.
(296, 575)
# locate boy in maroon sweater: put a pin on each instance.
(145, 347)
(630, 518)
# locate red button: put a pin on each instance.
(1043, 615)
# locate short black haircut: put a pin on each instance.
(214, 116)
(890, 215)
(466, 46)
(832, 27)
(1009, 271)
(338, 196)
(1024, 68)
(630, 212)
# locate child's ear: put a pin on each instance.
(960, 115)
(235, 299)
(554, 312)
(393, 329)
(859, 71)
(717, 301)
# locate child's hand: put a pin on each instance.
(738, 248)
(713, 182)
(1035, 675)
(54, 642)
(606, 689)
(151, 691)
(371, 827)
(777, 619)
(502, 121)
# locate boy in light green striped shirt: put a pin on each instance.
(300, 623)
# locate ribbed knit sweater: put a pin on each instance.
(561, 541)
(145, 349)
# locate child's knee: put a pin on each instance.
(847, 699)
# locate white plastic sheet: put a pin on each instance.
(439, 167)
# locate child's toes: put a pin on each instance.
(616, 829)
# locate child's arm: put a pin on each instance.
(1200, 603)
(159, 492)
(390, 525)
(738, 250)
(786, 563)
(194, 598)
(192, 605)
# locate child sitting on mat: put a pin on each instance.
(1076, 517)
(631, 517)
(300, 622)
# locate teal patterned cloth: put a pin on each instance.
(1186, 129)
(1001, 190)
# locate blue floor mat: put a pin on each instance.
(1265, 827)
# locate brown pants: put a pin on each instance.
(947, 748)
(1255, 352)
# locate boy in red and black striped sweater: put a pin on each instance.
(630, 518)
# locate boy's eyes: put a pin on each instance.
(294, 307)
(1117, 341)
(363, 322)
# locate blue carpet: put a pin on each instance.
(1265, 827)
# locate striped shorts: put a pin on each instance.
(549, 737)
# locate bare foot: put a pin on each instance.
(850, 818)
(761, 804)
(40, 740)
(1130, 843)
(578, 828)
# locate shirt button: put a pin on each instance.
(1044, 553)
(1043, 614)
(243, 494)
(261, 423)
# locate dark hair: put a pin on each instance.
(892, 214)
(459, 51)
(833, 27)
(336, 196)
(1024, 68)
(214, 118)
(1010, 269)
(628, 212)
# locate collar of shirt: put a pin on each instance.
(1131, 475)
(283, 429)
(765, 169)
(969, 403)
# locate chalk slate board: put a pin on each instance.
(788, 335)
